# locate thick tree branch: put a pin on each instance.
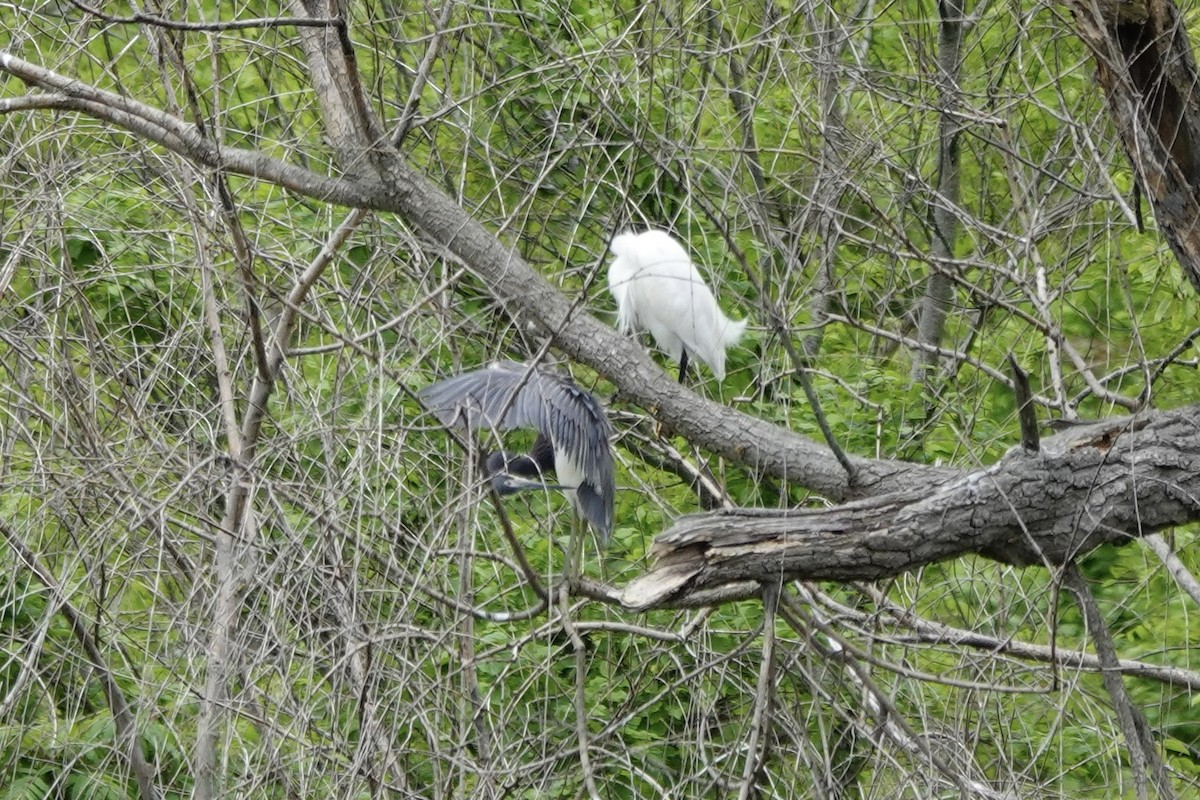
(1109, 482)
(526, 294)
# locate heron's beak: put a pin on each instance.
(510, 484)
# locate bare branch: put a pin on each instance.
(935, 304)
(735, 436)
(1143, 752)
(154, 20)
(123, 716)
(917, 630)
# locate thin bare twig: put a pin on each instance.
(123, 716)
(764, 696)
(1144, 757)
(154, 20)
(581, 674)
(1177, 569)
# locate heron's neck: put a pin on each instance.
(542, 453)
(533, 466)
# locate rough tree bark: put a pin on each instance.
(1110, 482)
(1145, 65)
(397, 188)
(1113, 481)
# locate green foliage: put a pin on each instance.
(374, 578)
(26, 787)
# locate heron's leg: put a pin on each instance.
(575, 552)
(683, 364)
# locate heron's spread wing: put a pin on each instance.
(575, 422)
(509, 395)
(494, 397)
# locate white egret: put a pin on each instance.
(657, 288)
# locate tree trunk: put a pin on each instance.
(1145, 66)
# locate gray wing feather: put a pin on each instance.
(510, 395)
(481, 399)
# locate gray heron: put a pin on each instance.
(659, 289)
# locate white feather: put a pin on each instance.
(657, 288)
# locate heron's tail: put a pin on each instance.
(729, 335)
(597, 508)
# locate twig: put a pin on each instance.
(930, 632)
(581, 715)
(814, 404)
(143, 18)
(893, 723)
(800, 359)
(986, 369)
(237, 515)
(473, 700)
(683, 679)
(764, 695)
(357, 656)
(662, 455)
(1177, 569)
(123, 718)
(531, 575)
(33, 102)
(409, 113)
(1144, 758)
(415, 308)
(1176, 351)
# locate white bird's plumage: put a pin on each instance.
(657, 288)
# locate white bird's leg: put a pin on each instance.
(683, 364)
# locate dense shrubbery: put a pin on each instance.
(795, 149)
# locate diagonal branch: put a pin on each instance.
(1144, 757)
(525, 293)
(123, 720)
